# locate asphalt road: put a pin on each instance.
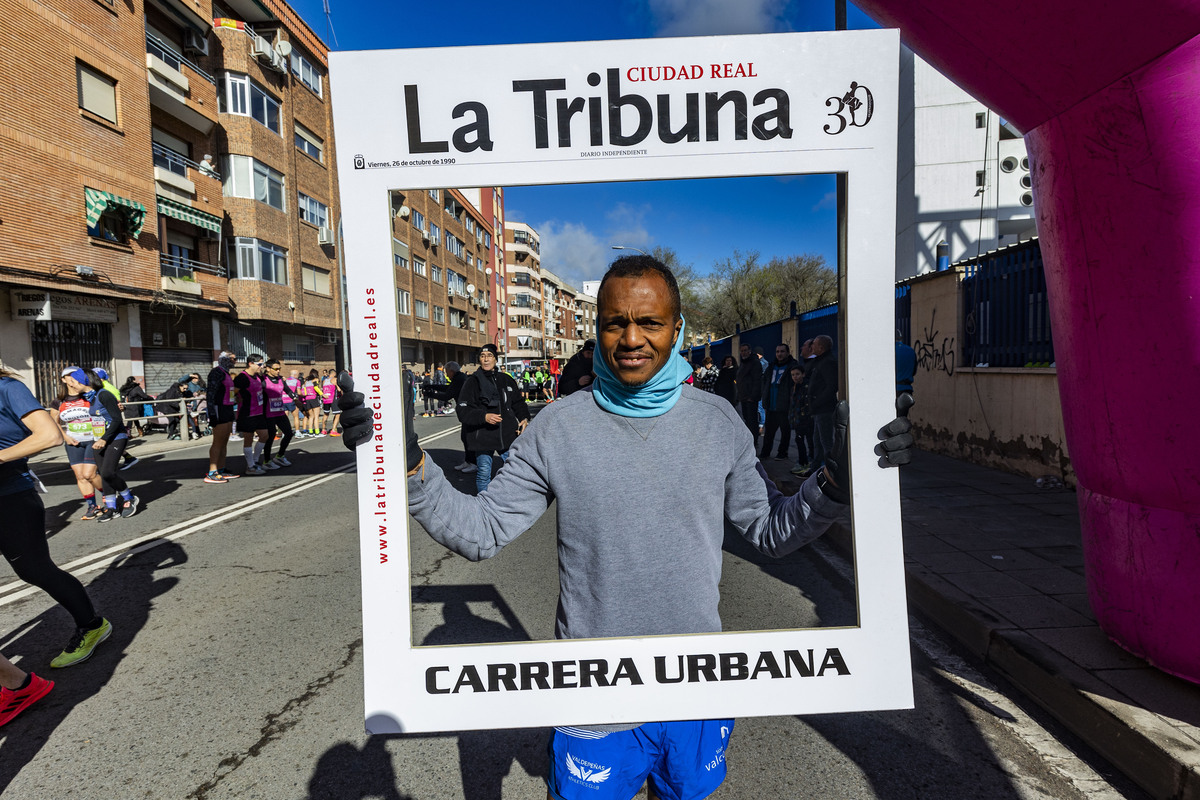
(234, 669)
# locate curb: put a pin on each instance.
(1138, 743)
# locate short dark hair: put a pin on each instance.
(253, 358)
(636, 267)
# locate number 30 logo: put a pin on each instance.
(854, 101)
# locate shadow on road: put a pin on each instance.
(123, 593)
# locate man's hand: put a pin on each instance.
(585, 380)
(522, 425)
(357, 422)
(493, 419)
(896, 441)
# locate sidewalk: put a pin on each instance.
(997, 563)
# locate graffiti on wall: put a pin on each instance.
(932, 355)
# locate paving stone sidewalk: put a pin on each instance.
(997, 563)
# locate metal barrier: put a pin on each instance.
(184, 413)
(1006, 315)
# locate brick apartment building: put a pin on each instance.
(167, 190)
(444, 252)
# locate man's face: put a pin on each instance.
(295, 373)
(782, 353)
(818, 347)
(487, 361)
(637, 327)
(806, 349)
(587, 353)
(253, 367)
(744, 351)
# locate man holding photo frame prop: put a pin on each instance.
(584, 112)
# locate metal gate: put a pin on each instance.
(58, 345)
(165, 366)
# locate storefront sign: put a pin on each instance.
(31, 306)
(80, 308)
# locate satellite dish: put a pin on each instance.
(470, 288)
(403, 212)
(283, 48)
(488, 271)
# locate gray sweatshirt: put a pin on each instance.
(642, 510)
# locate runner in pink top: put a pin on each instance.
(277, 392)
(329, 393)
(251, 414)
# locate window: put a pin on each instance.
(303, 69)
(298, 348)
(313, 210)
(418, 265)
(400, 261)
(237, 94)
(981, 177)
(172, 153)
(97, 92)
(434, 193)
(439, 314)
(418, 220)
(435, 233)
(309, 143)
(479, 264)
(981, 119)
(403, 302)
(471, 324)
(113, 226)
(437, 273)
(315, 279)
(422, 309)
(454, 245)
(247, 177)
(470, 224)
(487, 241)
(258, 260)
(457, 319)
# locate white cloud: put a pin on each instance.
(710, 17)
(572, 251)
(828, 201)
(627, 226)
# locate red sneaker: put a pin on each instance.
(14, 701)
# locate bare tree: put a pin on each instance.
(744, 291)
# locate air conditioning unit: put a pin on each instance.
(425, 235)
(325, 235)
(450, 291)
(331, 337)
(195, 43)
(279, 62)
(262, 50)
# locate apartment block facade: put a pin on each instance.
(523, 271)
(444, 253)
(170, 188)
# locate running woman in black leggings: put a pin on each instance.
(26, 428)
(111, 438)
(276, 391)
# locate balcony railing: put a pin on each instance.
(173, 58)
(185, 268)
(178, 163)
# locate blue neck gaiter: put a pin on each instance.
(654, 397)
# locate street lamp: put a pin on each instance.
(625, 247)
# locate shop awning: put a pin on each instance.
(98, 200)
(184, 212)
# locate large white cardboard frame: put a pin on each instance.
(841, 90)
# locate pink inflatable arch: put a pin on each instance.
(1108, 93)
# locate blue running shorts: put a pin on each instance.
(684, 760)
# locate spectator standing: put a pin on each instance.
(706, 378)
(727, 380)
(800, 419)
(822, 397)
(176, 391)
(749, 389)
(776, 397)
(577, 374)
(132, 392)
(449, 394)
(430, 403)
(906, 366)
(492, 412)
(26, 429)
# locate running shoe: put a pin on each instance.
(283, 462)
(106, 515)
(255, 470)
(799, 469)
(269, 465)
(91, 513)
(133, 462)
(129, 507)
(14, 701)
(334, 433)
(468, 468)
(215, 477)
(80, 648)
(227, 475)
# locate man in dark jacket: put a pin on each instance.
(176, 391)
(776, 397)
(578, 371)
(492, 412)
(749, 389)
(822, 397)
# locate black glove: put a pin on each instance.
(834, 479)
(358, 421)
(895, 447)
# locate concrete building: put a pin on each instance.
(526, 321)
(442, 249)
(963, 173)
(169, 188)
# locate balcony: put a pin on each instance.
(175, 171)
(179, 273)
(170, 87)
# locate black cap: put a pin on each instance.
(490, 348)
(590, 344)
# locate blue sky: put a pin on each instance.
(701, 220)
